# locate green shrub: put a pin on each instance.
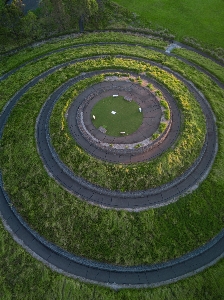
(155, 136)
(162, 127)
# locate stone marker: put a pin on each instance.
(129, 99)
(113, 112)
(102, 129)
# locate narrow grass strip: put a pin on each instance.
(30, 53)
(31, 277)
(202, 61)
(12, 84)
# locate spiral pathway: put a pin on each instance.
(89, 270)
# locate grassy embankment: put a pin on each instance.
(29, 199)
(207, 212)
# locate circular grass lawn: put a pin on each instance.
(127, 118)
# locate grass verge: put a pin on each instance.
(204, 62)
(12, 61)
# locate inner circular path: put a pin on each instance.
(89, 138)
(136, 200)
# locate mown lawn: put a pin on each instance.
(120, 121)
(202, 20)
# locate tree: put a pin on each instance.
(11, 19)
(82, 10)
(58, 14)
(30, 27)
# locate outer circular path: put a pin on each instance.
(107, 274)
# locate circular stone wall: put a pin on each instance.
(135, 147)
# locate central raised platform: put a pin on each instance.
(136, 147)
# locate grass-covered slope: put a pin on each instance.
(107, 235)
(22, 277)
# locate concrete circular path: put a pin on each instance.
(107, 274)
(135, 200)
(152, 114)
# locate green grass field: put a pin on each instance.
(127, 118)
(93, 225)
(202, 20)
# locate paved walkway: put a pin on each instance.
(151, 119)
(111, 275)
(128, 200)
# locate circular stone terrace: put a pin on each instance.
(136, 147)
(135, 200)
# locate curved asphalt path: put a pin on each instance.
(136, 200)
(109, 275)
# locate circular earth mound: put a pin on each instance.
(53, 158)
